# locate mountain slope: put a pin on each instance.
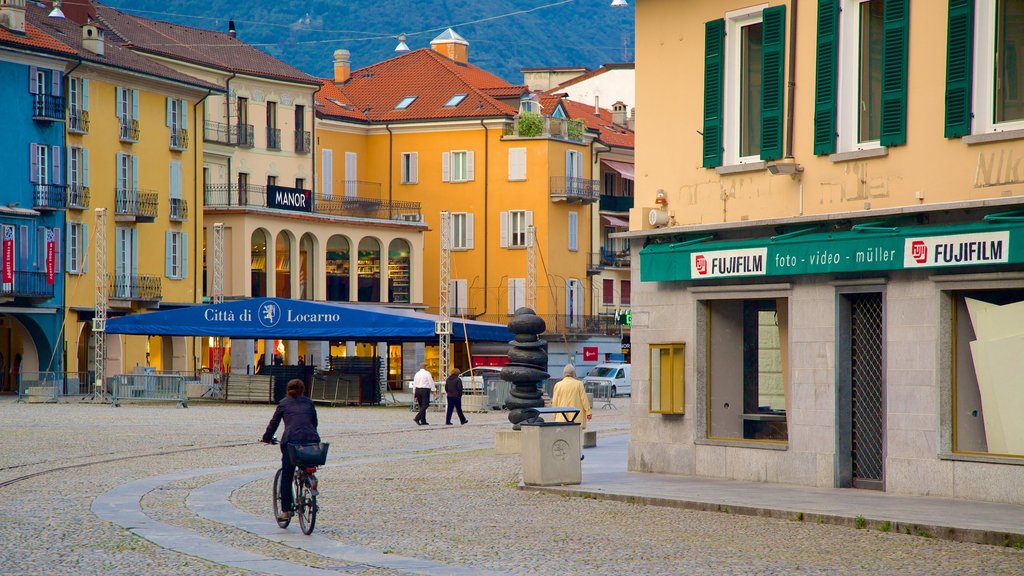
(305, 34)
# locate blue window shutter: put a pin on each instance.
(118, 250)
(714, 68)
(135, 104)
(119, 95)
(184, 255)
(85, 94)
(33, 174)
(825, 81)
(184, 114)
(959, 68)
(167, 109)
(85, 167)
(135, 172)
(135, 250)
(895, 27)
(168, 254)
(773, 70)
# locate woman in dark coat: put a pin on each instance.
(453, 389)
(299, 415)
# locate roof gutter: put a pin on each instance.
(391, 165)
(64, 284)
(196, 290)
(487, 172)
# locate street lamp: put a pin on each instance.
(402, 46)
(620, 4)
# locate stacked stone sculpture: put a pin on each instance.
(526, 368)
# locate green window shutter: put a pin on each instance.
(714, 68)
(959, 67)
(896, 23)
(773, 70)
(826, 69)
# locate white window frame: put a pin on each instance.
(516, 294)
(517, 228)
(573, 302)
(42, 164)
(41, 83)
(74, 167)
(76, 233)
(848, 87)
(462, 231)
(735, 21)
(983, 97)
(456, 176)
(410, 168)
(175, 251)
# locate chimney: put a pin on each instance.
(632, 119)
(12, 15)
(342, 66)
(619, 114)
(92, 39)
(231, 28)
(450, 44)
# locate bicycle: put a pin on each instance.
(305, 487)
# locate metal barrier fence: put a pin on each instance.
(53, 386)
(149, 387)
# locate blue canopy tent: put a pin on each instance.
(286, 319)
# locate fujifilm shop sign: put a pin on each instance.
(957, 250)
(294, 199)
(723, 263)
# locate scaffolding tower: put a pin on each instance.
(531, 267)
(99, 320)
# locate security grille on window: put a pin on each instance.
(462, 231)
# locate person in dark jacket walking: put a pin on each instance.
(453, 389)
(299, 415)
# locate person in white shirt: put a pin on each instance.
(423, 385)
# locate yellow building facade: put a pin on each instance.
(829, 257)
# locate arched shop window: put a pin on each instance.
(258, 264)
(338, 269)
(368, 268)
(307, 270)
(283, 264)
(399, 272)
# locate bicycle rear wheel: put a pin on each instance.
(277, 501)
(305, 505)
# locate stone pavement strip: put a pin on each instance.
(123, 506)
(605, 476)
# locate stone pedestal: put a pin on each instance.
(508, 442)
(551, 454)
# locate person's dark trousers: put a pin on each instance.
(423, 401)
(455, 403)
(287, 477)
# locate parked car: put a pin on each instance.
(473, 383)
(614, 375)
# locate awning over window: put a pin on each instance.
(999, 240)
(613, 221)
(624, 169)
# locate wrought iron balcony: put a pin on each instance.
(137, 203)
(27, 285)
(48, 196)
(78, 121)
(48, 108)
(613, 259)
(244, 136)
(179, 139)
(219, 133)
(368, 207)
(135, 288)
(595, 264)
(273, 138)
(129, 130)
(569, 189)
(179, 210)
(616, 203)
(78, 197)
(232, 195)
(303, 141)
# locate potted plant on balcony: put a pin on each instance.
(575, 129)
(530, 124)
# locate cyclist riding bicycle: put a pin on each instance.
(299, 415)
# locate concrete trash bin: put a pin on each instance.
(551, 453)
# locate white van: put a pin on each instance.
(614, 374)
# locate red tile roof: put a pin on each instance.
(205, 47)
(610, 133)
(34, 38)
(331, 102)
(591, 73)
(429, 76)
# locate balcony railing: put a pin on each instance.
(48, 107)
(534, 125)
(219, 133)
(615, 203)
(303, 141)
(135, 288)
(373, 208)
(613, 259)
(179, 139)
(231, 195)
(78, 197)
(564, 324)
(49, 196)
(179, 210)
(574, 189)
(129, 130)
(137, 203)
(78, 121)
(27, 285)
(594, 263)
(244, 136)
(273, 138)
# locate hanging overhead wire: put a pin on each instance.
(366, 35)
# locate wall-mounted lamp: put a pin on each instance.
(790, 168)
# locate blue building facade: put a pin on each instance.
(33, 198)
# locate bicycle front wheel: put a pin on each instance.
(305, 506)
(277, 501)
